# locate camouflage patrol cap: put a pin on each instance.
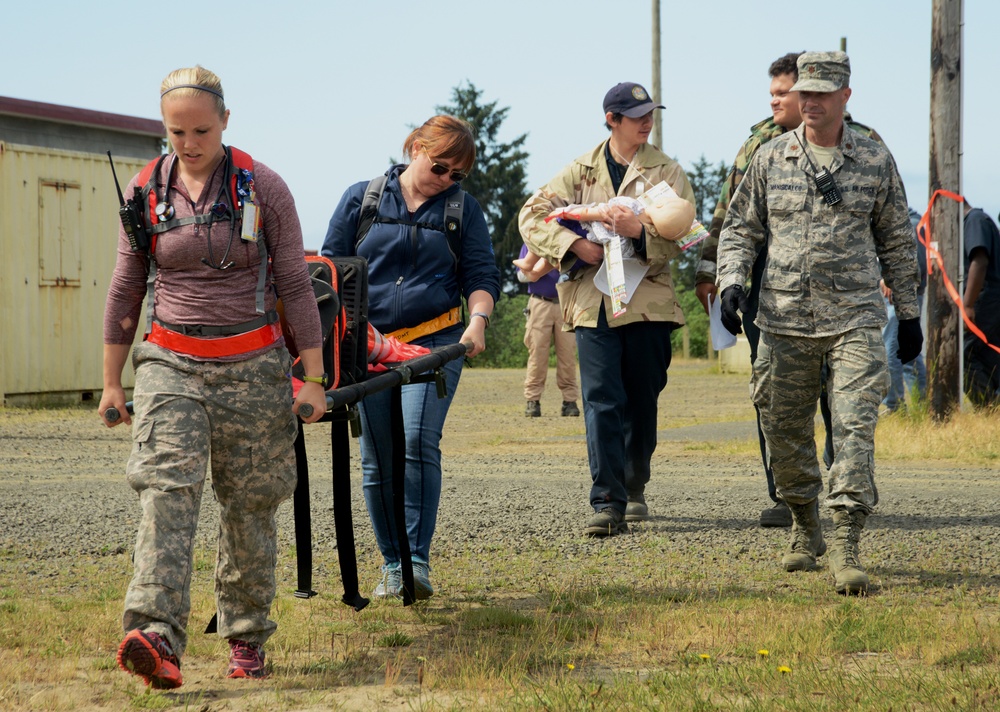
(823, 71)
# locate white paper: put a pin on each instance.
(634, 270)
(658, 191)
(721, 338)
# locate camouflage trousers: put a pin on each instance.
(785, 385)
(236, 416)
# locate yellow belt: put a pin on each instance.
(409, 333)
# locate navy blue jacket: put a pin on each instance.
(412, 274)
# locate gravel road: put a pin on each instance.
(508, 478)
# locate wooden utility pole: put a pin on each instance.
(944, 346)
(657, 137)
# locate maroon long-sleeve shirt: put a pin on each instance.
(188, 291)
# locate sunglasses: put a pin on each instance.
(439, 170)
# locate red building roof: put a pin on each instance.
(81, 117)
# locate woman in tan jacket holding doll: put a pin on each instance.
(622, 330)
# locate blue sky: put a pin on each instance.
(326, 92)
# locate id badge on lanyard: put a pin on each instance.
(251, 219)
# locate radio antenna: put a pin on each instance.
(121, 198)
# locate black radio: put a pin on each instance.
(828, 187)
(130, 213)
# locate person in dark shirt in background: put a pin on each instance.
(982, 304)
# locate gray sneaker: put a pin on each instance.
(607, 522)
(392, 582)
(636, 509)
(533, 409)
(421, 581)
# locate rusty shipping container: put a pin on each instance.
(58, 240)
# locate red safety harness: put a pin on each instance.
(196, 339)
(214, 348)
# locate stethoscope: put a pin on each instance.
(219, 211)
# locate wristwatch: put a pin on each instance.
(323, 380)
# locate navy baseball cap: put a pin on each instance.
(629, 99)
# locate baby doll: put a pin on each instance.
(670, 215)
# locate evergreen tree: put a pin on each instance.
(499, 179)
(706, 181)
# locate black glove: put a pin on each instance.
(911, 339)
(734, 297)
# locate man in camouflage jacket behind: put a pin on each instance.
(828, 204)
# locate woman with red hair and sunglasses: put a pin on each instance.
(417, 277)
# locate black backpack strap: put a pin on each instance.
(369, 207)
(399, 492)
(453, 208)
(303, 519)
(343, 520)
(342, 517)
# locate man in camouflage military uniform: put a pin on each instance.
(829, 205)
(785, 116)
(623, 359)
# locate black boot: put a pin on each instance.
(776, 516)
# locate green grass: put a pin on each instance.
(578, 641)
(395, 640)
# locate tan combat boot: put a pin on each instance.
(807, 538)
(849, 576)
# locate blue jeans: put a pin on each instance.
(915, 376)
(890, 335)
(423, 422)
(903, 378)
(622, 371)
(915, 372)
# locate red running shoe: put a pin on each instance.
(245, 660)
(150, 657)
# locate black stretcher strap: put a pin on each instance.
(303, 518)
(399, 491)
(339, 414)
(342, 517)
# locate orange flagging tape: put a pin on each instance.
(924, 235)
